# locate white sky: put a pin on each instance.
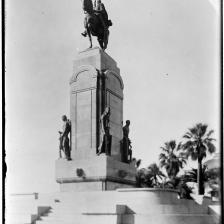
(149, 39)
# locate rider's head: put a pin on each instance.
(64, 118)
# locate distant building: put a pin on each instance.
(214, 162)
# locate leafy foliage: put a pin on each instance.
(149, 177)
(171, 159)
(191, 175)
(155, 174)
(180, 184)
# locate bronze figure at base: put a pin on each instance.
(64, 144)
(126, 148)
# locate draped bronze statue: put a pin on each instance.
(64, 138)
(126, 144)
(105, 137)
(96, 22)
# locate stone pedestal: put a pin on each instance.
(96, 173)
(95, 84)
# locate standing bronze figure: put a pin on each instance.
(105, 137)
(126, 144)
(96, 22)
(64, 138)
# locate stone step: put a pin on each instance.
(80, 219)
(114, 197)
(121, 198)
(83, 207)
(168, 219)
(138, 207)
(17, 222)
(21, 218)
(132, 219)
(25, 216)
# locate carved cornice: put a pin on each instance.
(83, 90)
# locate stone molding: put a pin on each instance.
(83, 90)
(81, 69)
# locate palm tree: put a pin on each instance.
(154, 174)
(170, 159)
(198, 143)
(142, 178)
(191, 175)
(179, 183)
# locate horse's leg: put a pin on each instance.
(90, 37)
(85, 26)
(100, 43)
(106, 38)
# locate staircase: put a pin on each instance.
(24, 209)
(126, 206)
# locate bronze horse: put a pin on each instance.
(95, 24)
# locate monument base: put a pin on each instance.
(99, 173)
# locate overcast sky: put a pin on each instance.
(168, 54)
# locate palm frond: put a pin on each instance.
(165, 149)
(202, 130)
(187, 135)
(209, 133)
(187, 145)
(194, 155)
(193, 131)
(211, 147)
(179, 146)
(209, 140)
(172, 144)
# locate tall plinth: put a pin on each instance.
(96, 162)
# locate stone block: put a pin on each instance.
(104, 169)
(96, 58)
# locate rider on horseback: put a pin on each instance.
(100, 11)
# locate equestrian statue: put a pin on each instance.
(96, 22)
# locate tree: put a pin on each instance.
(142, 178)
(154, 174)
(192, 175)
(171, 159)
(198, 143)
(149, 177)
(180, 184)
